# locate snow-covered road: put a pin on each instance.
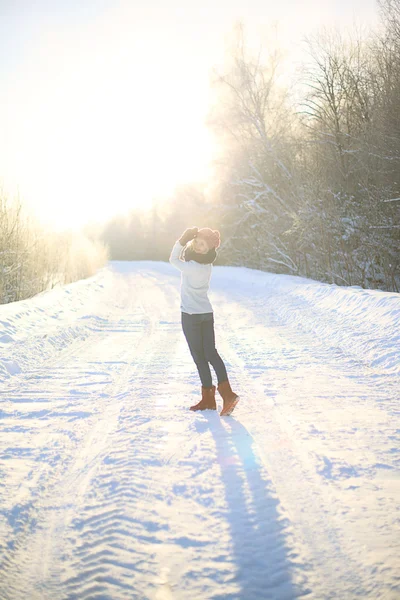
(110, 488)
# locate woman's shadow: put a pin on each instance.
(264, 569)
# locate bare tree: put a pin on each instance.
(253, 123)
(313, 189)
(33, 260)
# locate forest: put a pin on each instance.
(307, 181)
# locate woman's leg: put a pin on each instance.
(209, 349)
(192, 329)
(229, 397)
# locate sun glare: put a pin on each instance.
(82, 169)
(105, 107)
(110, 127)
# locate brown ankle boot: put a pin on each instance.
(207, 399)
(230, 398)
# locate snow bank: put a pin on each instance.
(362, 323)
(35, 329)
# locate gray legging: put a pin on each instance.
(199, 334)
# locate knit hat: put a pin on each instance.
(211, 236)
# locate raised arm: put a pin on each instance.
(175, 258)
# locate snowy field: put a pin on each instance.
(110, 488)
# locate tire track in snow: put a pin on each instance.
(162, 503)
(123, 549)
(335, 569)
(47, 516)
(143, 535)
(132, 533)
(37, 391)
(114, 530)
(321, 551)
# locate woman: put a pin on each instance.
(195, 263)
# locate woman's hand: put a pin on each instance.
(188, 235)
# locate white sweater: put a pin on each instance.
(195, 282)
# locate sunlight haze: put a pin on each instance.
(106, 102)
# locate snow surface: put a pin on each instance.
(110, 488)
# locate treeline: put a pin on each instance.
(149, 235)
(32, 259)
(311, 177)
(308, 177)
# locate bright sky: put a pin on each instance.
(105, 100)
